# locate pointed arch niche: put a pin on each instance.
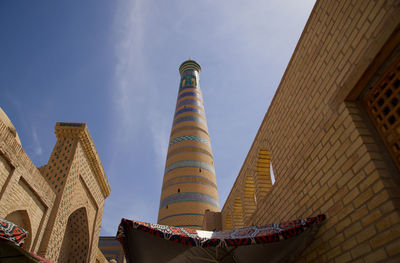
(228, 222)
(21, 218)
(263, 173)
(249, 196)
(75, 244)
(238, 213)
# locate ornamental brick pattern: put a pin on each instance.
(329, 154)
(189, 185)
(61, 203)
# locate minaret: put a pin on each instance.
(189, 185)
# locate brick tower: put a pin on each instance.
(189, 186)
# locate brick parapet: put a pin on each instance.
(24, 188)
(80, 130)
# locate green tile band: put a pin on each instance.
(189, 197)
(190, 163)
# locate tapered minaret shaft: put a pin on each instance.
(189, 185)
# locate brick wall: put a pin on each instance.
(58, 200)
(24, 194)
(327, 157)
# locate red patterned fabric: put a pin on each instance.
(11, 232)
(14, 237)
(229, 238)
(273, 243)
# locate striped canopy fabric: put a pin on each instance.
(278, 242)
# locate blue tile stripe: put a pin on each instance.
(189, 94)
(190, 110)
(189, 102)
(182, 214)
(193, 89)
(189, 163)
(189, 138)
(190, 118)
(189, 197)
(187, 128)
(185, 152)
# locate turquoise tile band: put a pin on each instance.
(189, 138)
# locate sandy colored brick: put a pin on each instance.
(31, 194)
(321, 142)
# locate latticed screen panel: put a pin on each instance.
(383, 107)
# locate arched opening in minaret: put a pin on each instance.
(75, 244)
(179, 190)
(21, 218)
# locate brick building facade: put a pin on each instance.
(332, 133)
(59, 204)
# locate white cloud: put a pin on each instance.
(37, 148)
(136, 95)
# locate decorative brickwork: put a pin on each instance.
(75, 244)
(61, 203)
(328, 157)
(383, 106)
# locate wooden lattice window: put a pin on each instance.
(383, 107)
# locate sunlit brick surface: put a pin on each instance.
(327, 156)
(60, 203)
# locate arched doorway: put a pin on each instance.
(21, 218)
(75, 245)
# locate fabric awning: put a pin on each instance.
(12, 238)
(278, 242)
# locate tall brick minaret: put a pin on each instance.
(189, 185)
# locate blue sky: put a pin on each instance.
(114, 65)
